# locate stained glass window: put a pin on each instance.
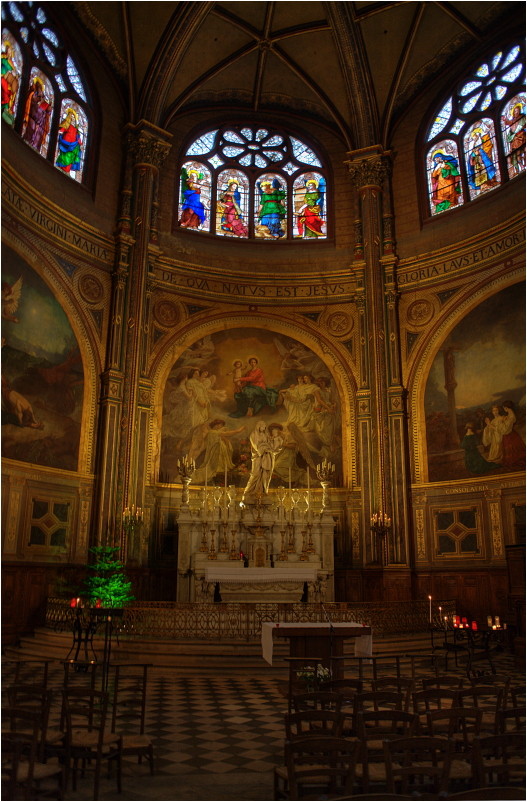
(251, 182)
(444, 179)
(49, 107)
(485, 123)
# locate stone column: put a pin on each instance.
(125, 403)
(381, 442)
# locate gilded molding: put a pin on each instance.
(420, 534)
(496, 529)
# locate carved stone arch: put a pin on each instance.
(332, 354)
(180, 30)
(420, 370)
(365, 124)
(42, 263)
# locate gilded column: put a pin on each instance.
(126, 391)
(369, 170)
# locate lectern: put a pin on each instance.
(316, 640)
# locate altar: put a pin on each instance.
(276, 550)
(286, 582)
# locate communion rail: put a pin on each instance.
(237, 621)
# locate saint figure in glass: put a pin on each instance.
(310, 207)
(445, 181)
(11, 70)
(230, 207)
(193, 214)
(37, 113)
(69, 157)
(513, 126)
(271, 209)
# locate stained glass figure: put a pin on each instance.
(481, 158)
(513, 133)
(444, 181)
(309, 193)
(271, 211)
(72, 133)
(37, 112)
(232, 204)
(195, 190)
(11, 71)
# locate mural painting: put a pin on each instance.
(42, 374)
(475, 393)
(235, 389)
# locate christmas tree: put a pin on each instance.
(108, 587)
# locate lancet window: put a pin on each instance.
(476, 140)
(252, 182)
(44, 97)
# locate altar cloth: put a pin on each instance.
(256, 576)
(363, 643)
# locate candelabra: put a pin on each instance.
(381, 523)
(132, 519)
(325, 471)
(186, 468)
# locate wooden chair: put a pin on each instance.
(38, 699)
(22, 771)
(373, 728)
(347, 688)
(499, 759)
(313, 722)
(130, 684)
(510, 719)
(460, 725)
(86, 738)
(452, 681)
(316, 700)
(488, 699)
(377, 700)
(318, 768)
(418, 765)
(495, 792)
(432, 699)
(404, 685)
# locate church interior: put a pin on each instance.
(245, 249)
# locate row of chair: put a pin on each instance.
(87, 726)
(330, 766)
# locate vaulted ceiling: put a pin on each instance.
(350, 66)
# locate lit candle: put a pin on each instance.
(289, 478)
(206, 475)
(225, 483)
(308, 478)
(440, 615)
(430, 611)
(445, 622)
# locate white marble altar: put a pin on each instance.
(283, 545)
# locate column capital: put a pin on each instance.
(147, 144)
(369, 166)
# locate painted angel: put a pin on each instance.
(11, 299)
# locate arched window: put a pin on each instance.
(43, 95)
(252, 182)
(476, 141)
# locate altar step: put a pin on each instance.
(202, 657)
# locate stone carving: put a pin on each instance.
(91, 288)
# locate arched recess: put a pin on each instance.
(53, 374)
(471, 298)
(329, 353)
